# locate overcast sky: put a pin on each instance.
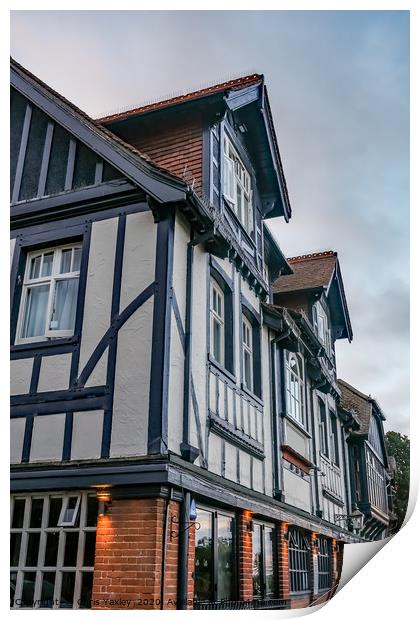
(338, 84)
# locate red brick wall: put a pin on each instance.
(175, 144)
(283, 561)
(245, 557)
(128, 557)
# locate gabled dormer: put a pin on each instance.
(316, 288)
(221, 141)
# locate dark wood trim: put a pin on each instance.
(45, 160)
(227, 431)
(291, 456)
(22, 153)
(71, 158)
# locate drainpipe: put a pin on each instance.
(187, 345)
(165, 544)
(315, 455)
(183, 537)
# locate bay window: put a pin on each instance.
(237, 185)
(49, 293)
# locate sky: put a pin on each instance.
(338, 83)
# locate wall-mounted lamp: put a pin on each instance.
(250, 526)
(104, 500)
(193, 523)
(284, 534)
(354, 521)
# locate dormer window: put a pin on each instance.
(237, 185)
(320, 323)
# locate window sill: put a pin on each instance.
(297, 425)
(44, 344)
(251, 394)
(221, 368)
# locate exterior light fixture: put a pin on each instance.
(354, 520)
(250, 526)
(104, 498)
(192, 515)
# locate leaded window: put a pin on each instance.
(214, 574)
(49, 293)
(263, 575)
(299, 556)
(324, 563)
(376, 481)
(217, 322)
(247, 352)
(295, 387)
(237, 185)
(334, 439)
(52, 550)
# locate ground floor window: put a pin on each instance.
(324, 564)
(263, 560)
(299, 556)
(52, 550)
(214, 573)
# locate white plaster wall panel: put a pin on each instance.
(215, 454)
(199, 341)
(231, 456)
(98, 374)
(17, 433)
(245, 417)
(230, 406)
(252, 422)
(87, 435)
(250, 296)
(47, 438)
(296, 440)
(176, 391)
(239, 412)
(138, 269)
(213, 392)
(181, 240)
(237, 324)
(20, 376)
(100, 276)
(12, 250)
(244, 469)
(297, 491)
(257, 476)
(55, 373)
(132, 382)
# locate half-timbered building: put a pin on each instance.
(175, 436)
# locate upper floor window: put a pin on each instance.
(320, 322)
(217, 323)
(334, 439)
(49, 295)
(248, 359)
(237, 185)
(323, 428)
(295, 401)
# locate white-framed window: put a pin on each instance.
(247, 353)
(51, 565)
(237, 185)
(320, 321)
(217, 322)
(295, 386)
(49, 293)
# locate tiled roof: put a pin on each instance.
(354, 401)
(87, 120)
(310, 271)
(198, 94)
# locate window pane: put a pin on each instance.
(15, 540)
(35, 267)
(89, 555)
(257, 561)
(32, 550)
(36, 311)
(247, 365)
(86, 591)
(67, 590)
(36, 512)
(47, 264)
(269, 561)
(225, 558)
(64, 312)
(13, 577)
(203, 557)
(18, 512)
(92, 511)
(217, 341)
(28, 589)
(51, 549)
(55, 509)
(47, 592)
(65, 266)
(77, 258)
(70, 550)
